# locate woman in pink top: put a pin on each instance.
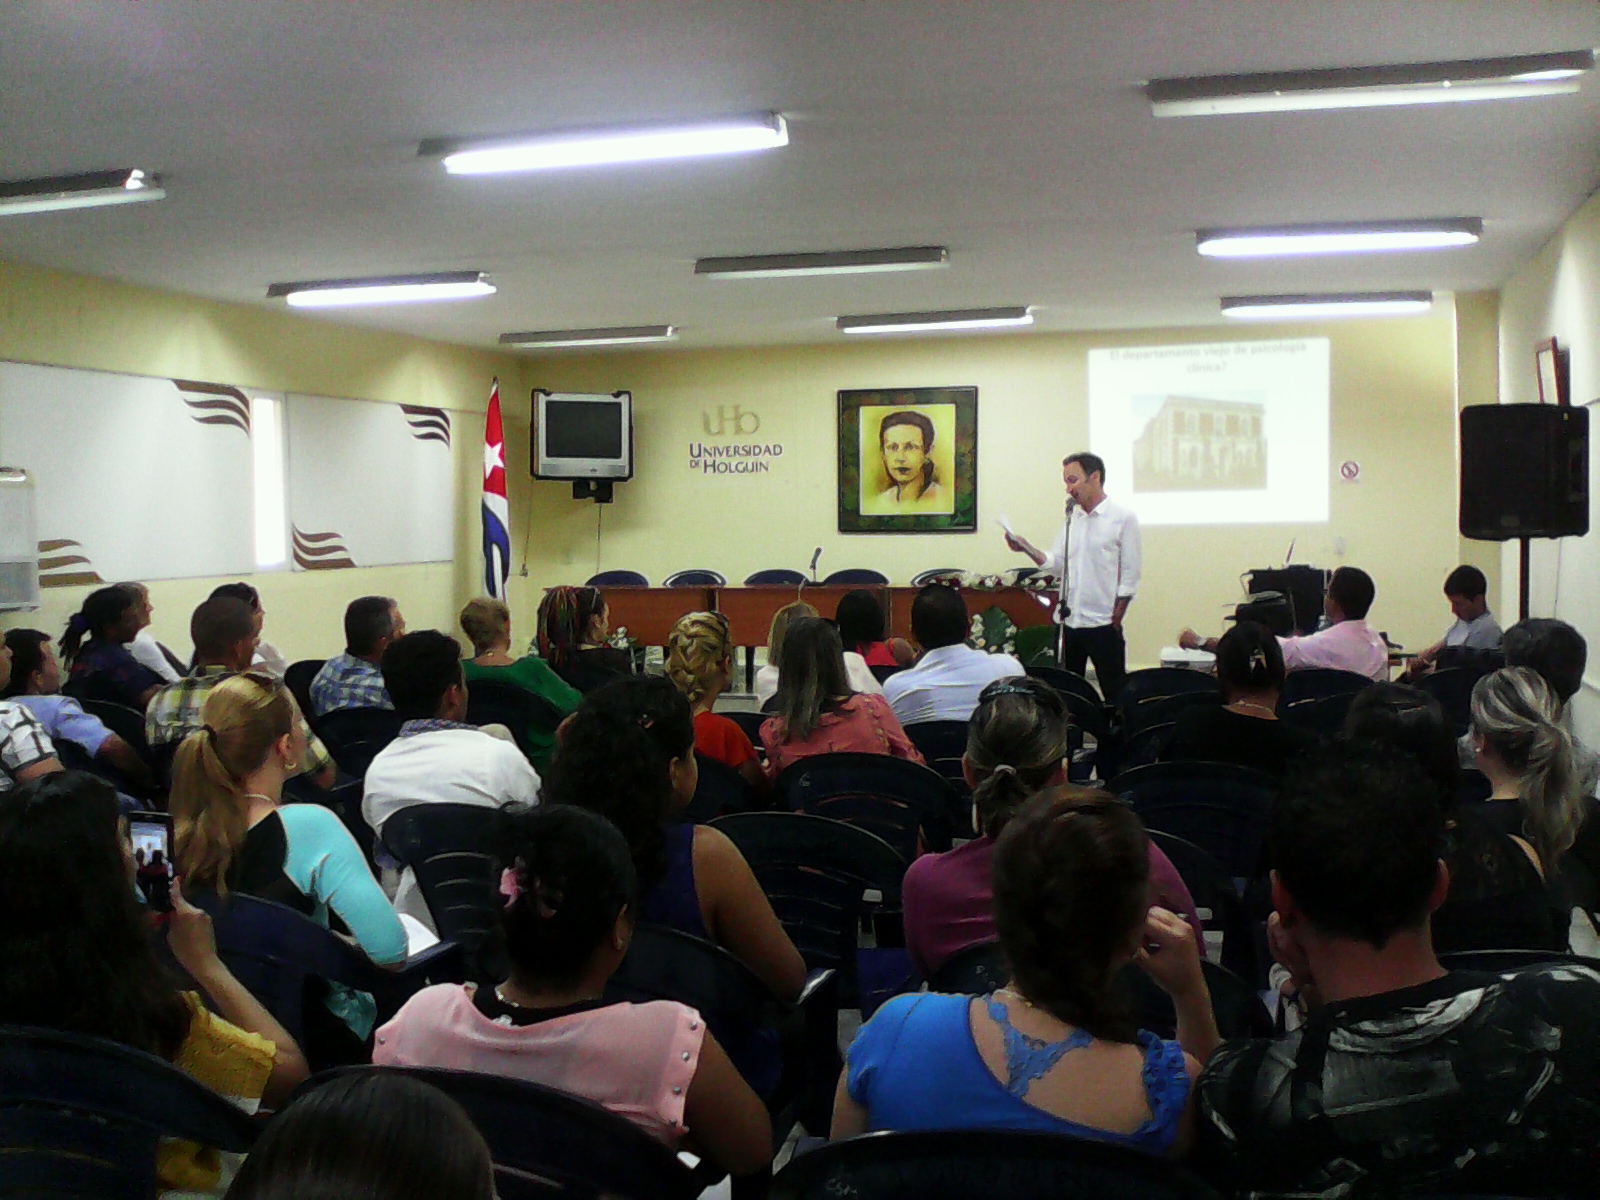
(570, 899)
(1016, 746)
(815, 710)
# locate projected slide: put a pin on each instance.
(1231, 433)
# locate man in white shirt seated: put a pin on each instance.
(1347, 644)
(1475, 627)
(437, 758)
(944, 684)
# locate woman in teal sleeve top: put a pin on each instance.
(233, 836)
(488, 624)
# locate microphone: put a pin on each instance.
(816, 557)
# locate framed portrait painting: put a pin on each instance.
(908, 460)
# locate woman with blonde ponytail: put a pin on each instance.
(232, 835)
(700, 665)
(1016, 747)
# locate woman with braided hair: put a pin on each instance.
(573, 623)
(700, 665)
(1016, 745)
(1052, 1051)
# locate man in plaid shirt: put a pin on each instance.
(26, 751)
(354, 679)
(224, 633)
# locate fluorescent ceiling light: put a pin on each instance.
(1371, 87)
(589, 147)
(929, 322)
(393, 289)
(97, 188)
(1354, 237)
(622, 335)
(1345, 304)
(832, 262)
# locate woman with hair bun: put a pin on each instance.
(571, 899)
(1245, 729)
(1016, 746)
(573, 623)
(1051, 1051)
(94, 648)
(700, 665)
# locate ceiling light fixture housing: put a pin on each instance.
(620, 335)
(1353, 237)
(595, 147)
(830, 262)
(933, 322)
(127, 185)
(1339, 304)
(389, 289)
(1512, 78)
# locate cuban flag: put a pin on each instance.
(496, 512)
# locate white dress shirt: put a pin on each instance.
(1103, 564)
(945, 683)
(147, 651)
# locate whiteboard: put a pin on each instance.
(369, 484)
(135, 477)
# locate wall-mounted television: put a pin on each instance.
(582, 436)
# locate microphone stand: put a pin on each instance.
(1063, 610)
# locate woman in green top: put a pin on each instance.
(488, 624)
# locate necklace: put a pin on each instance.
(1260, 708)
(259, 796)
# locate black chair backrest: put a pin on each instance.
(934, 575)
(942, 743)
(855, 575)
(1144, 747)
(96, 687)
(1452, 688)
(815, 871)
(960, 1164)
(453, 851)
(975, 971)
(1066, 682)
(775, 577)
(297, 677)
(1216, 900)
(494, 701)
(619, 578)
(695, 577)
(355, 736)
(721, 791)
(1510, 960)
(548, 1144)
(1319, 714)
(891, 797)
(1314, 682)
(127, 723)
(1219, 807)
(1237, 1005)
(750, 722)
(1161, 681)
(1165, 710)
(81, 1116)
(882, 671)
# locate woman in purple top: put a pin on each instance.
(1016, 746)
(103, 664)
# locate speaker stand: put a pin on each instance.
(1524, 558)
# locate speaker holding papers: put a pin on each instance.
(1524, 471)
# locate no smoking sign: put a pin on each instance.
(1350, 471)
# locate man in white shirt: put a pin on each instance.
(437, 759)
(945, 682)
(1098, 557)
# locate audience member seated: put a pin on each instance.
(1348, 643)
(816, 711)
(700, 665)
(267, 657)
(860, 675)
(1051, 1051)
(945, 682)
(573, 625)
(94, 649)
(1245, 728)
(232, 836)
(628, 754)
(1474, 627)
(224, 633)
(487, 624)
(571, 899)
(144, 647)
(370, 1134)
(1016, 745)
(1406, 1078)
(354, 679)
(862, 630)
(33, 680)
(437, 758)
(80, 958)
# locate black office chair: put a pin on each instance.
(548, 1145)
(1322, 715)
(855, 575)
(775, 577)
(1066, 682)
(963, 1164)
(297, 677)
(1452, 688)
(618, 578)
(81, 1117)
(975, 971)
(1235, 1003)
(721, 790)
(1500, 961)
(453, 850)
(356, 736)
(1165, 710)
(1308, 683)
(1144, 747)
(1161, 681)
(496, 702)
(1216, 899)
(936, 575)
(942, 744)
(910, 806)
(1219, 807)
(750, 722)
(882, 671)
(127, 723)
(695, 577)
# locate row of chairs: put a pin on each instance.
(776, 577)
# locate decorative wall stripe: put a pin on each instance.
(216, 403)
(55, 568)
(320, 551)
(427, 424)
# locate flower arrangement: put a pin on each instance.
(993, 632)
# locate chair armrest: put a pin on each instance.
(817, 983)
(442, 963)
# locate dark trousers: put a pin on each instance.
(1106, 647)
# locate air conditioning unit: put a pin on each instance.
(19, 542)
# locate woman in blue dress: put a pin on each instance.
(1051, 1051)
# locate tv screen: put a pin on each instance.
(583, 429)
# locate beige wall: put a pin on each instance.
(1393, 410)
(67, 320)
(1478, 382)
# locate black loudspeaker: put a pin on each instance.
(1303, 586)
(1524, 471)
